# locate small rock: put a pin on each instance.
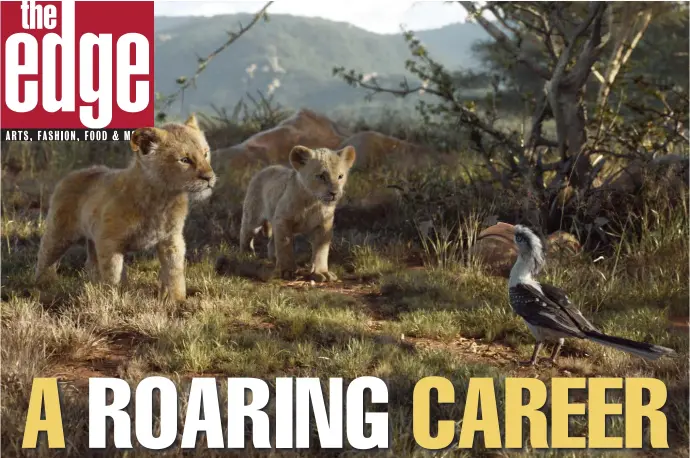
(495, 249)
(563, 242)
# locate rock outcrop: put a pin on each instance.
(273, 146)
(496, 251)
(314, 130)
(373, 148)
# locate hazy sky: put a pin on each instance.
(380, 16)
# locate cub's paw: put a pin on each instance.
(287, 274)
(321, 277)
(168, 294)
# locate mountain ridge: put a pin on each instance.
(291, 58)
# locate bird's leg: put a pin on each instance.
(556, 349)
(537, 348)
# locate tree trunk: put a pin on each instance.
(566, 96)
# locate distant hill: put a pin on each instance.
(292, 58)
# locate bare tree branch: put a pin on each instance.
(504, 40)
(628, 40)
(185, 82)
(503, 21)
(596, 11)
(546, 30)
(468, 116)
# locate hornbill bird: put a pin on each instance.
(548, 312)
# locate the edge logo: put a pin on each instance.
(77, 65)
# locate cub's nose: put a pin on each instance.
(332, 194)
(209, 177)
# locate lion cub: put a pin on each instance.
(293, 201)
(142, 206)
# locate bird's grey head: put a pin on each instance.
(530, 248)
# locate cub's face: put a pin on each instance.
(178, 156)
(323, 171)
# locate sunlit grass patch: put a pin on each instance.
(434, 289)
(321, 322)
(367, 262)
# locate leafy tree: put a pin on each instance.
(558, 55)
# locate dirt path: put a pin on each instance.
(112, 359)
(469, 350)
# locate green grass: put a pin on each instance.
(408, 307)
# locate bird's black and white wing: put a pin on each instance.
(560, 298)
(538, 310)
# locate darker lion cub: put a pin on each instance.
(142, 206)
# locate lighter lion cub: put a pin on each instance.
(142, 206)
(300, 200)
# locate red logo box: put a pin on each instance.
(102, 52)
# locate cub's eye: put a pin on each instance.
(185, 160)
(340, 177)
(322, 177)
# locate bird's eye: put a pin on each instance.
(185, 160)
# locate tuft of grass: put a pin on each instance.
(367, 262)
(444, 247)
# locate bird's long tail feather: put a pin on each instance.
(642, 349)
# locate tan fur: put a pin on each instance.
(297, 200)
(140, 207)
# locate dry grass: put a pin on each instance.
(408, 306)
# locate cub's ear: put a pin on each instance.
(192, 122)
(299, 156)
(348, 155)
(145, 140)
